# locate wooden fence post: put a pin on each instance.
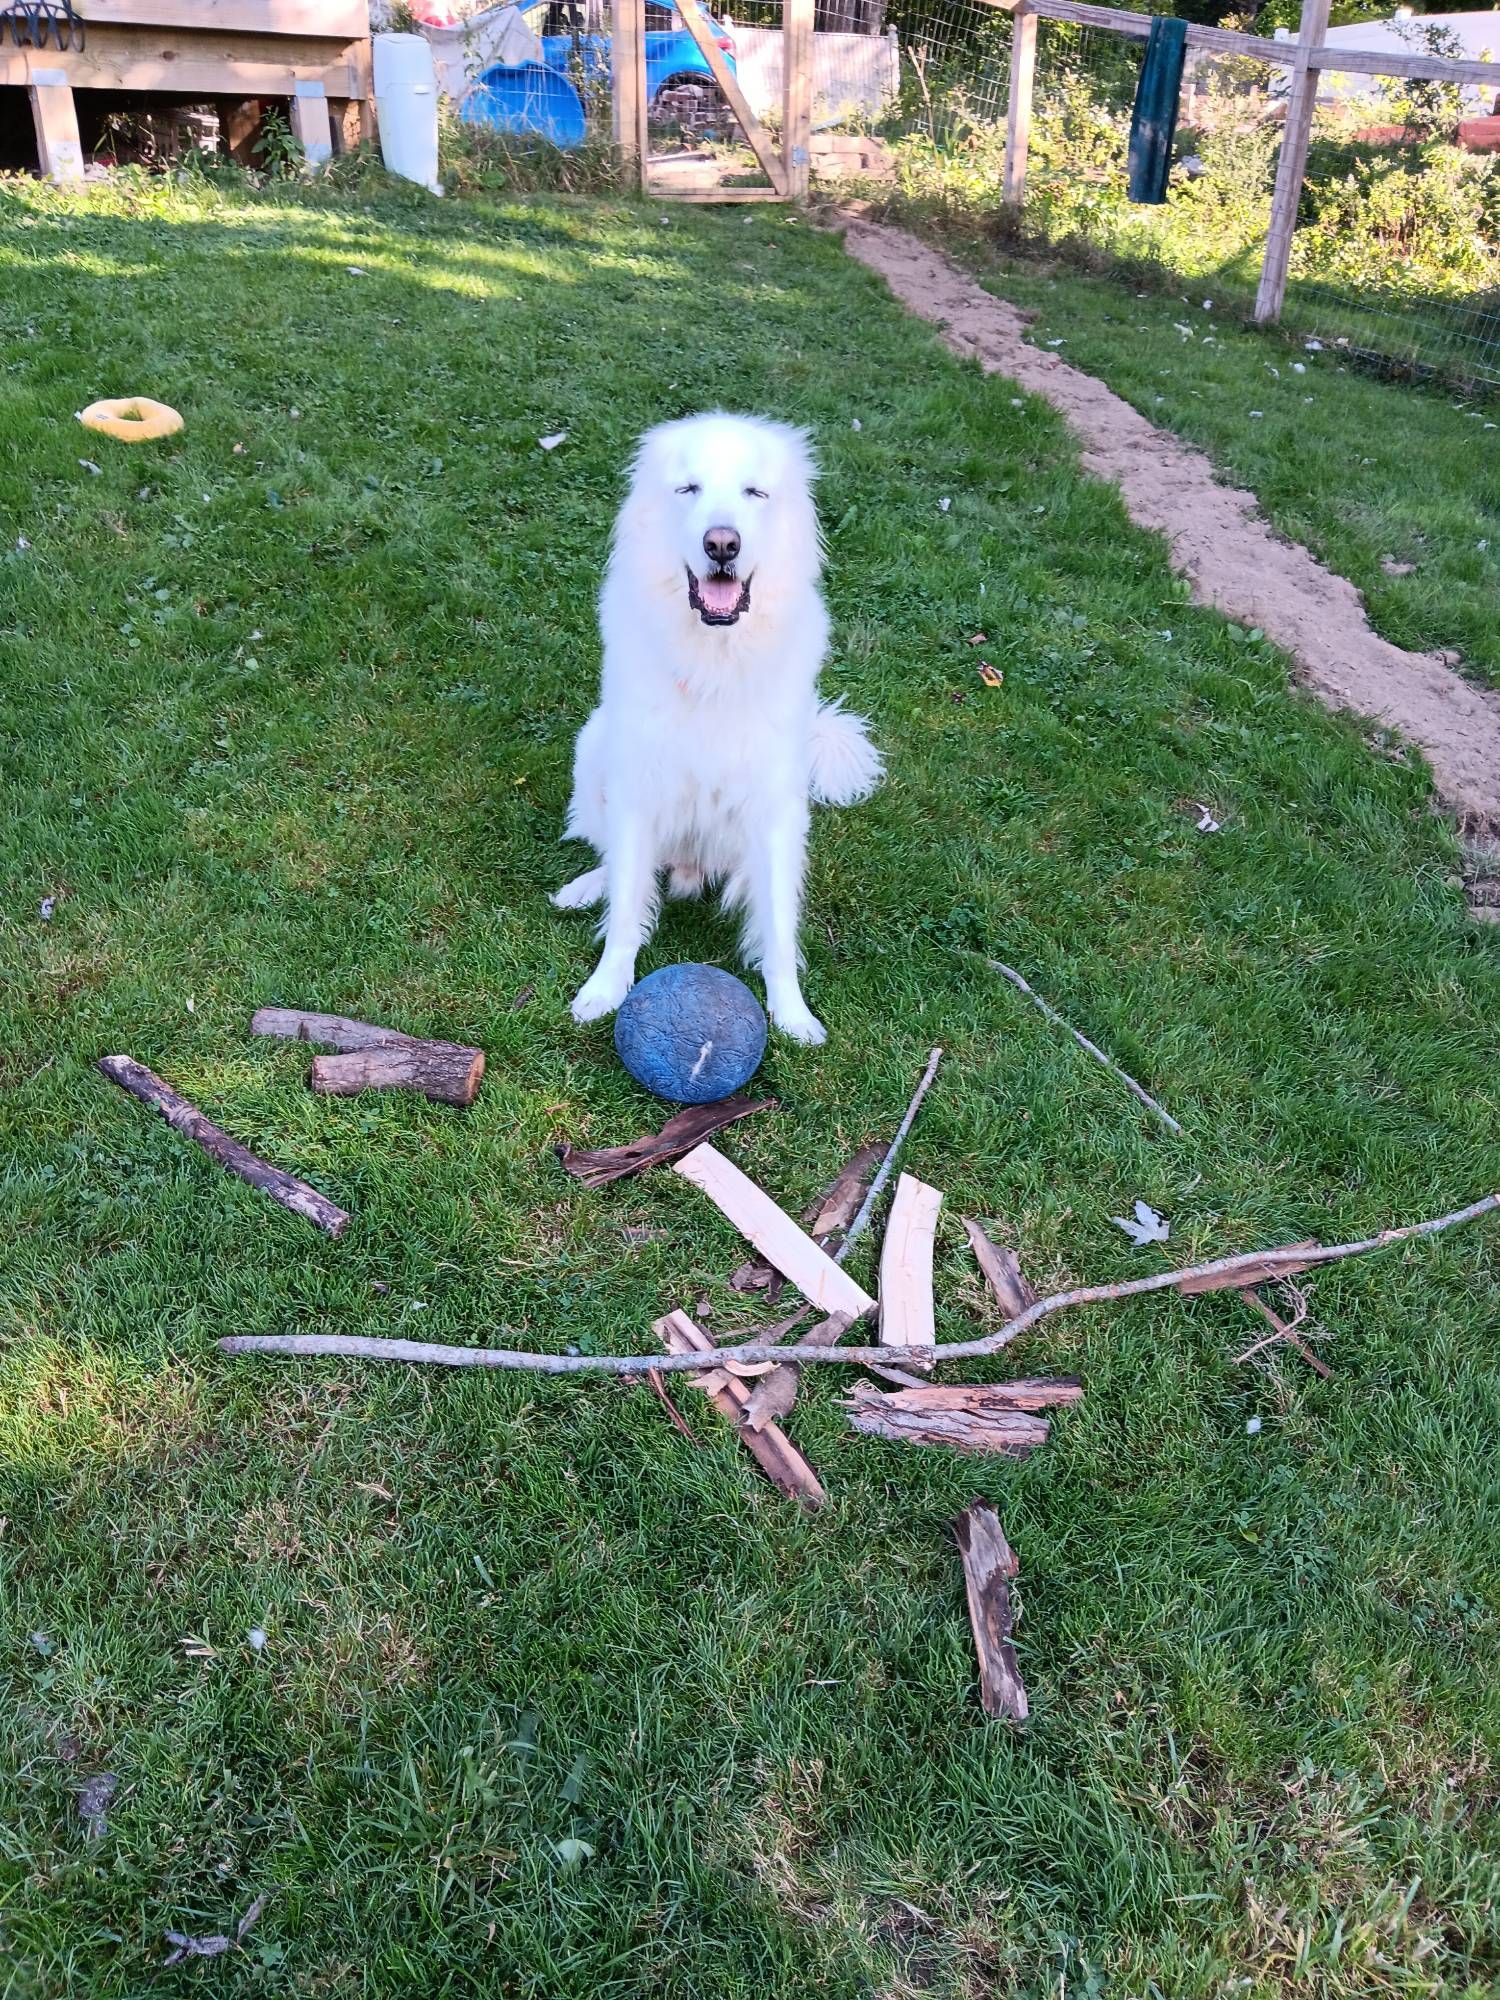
(628, 105)
(796, 95)
(1018, 117)
(1293, 162)
(59, 153)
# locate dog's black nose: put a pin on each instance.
(721, 546)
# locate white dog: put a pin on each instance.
(709, 740)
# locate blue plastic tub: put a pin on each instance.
(529, 100)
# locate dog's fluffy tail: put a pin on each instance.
(846, 766)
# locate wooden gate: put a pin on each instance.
(785, 169)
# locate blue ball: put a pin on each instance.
(691, 1033)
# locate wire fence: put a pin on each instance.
(1396, 257)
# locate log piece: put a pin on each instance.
(374, 1058)
(234, 1158)
(990, 1567)
(441, 1071)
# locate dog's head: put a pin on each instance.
(719, 507)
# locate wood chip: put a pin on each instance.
(1002, 1270)
(990, 1567)
(771, 1448)
(679, 1135)
(774, 1233)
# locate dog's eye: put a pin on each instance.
(691, 487)
(754, 493)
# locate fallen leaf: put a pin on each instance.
(552, 440)
(1147, 1226)
(991, 676)
(1206, 821)
(943, 505)
(573, 1853)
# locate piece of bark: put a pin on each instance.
(968, 1417)
(439, 1070)
(774, 1233)
(771, 1448)
(1248, 1275)
(1282, 1332)
(775, 1396)
(659, 1390)
(769, 1336)
(990, 1567)
(906, 1315)
(679, 1135)
(1002, 1270)
(234, 1158)
(839, 1206)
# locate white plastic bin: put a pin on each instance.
(407, 106)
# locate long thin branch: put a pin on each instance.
(1009, 972)
(358, 1347)
(861, 1221)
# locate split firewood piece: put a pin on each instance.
(1002, 1270)
(990, 1567)
(774, 1233)
(1248, 1274)
(825, 1219)
(771, 1448)
(983, 1419)
(680, 1134)
(234, 1158)
(776, 1393)
(439, 1070)
(374, 1058)
(906, 1318)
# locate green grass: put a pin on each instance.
(293, 724)
(1365, 472)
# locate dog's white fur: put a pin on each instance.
(709, 741)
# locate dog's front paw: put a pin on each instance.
(799, 1021)
(600, 995)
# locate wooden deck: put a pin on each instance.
(314, 54)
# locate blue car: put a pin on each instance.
(524, 100)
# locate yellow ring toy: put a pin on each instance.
(131, 418)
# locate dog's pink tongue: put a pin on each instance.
(720, 594)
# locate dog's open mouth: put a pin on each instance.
(720, 597)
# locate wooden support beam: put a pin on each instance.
(311, 126)
(906, 1318)
(796, 96)
(628, 105)
(1292, 163)
(189, 65)
(339, 20)
(703, 33)
(1018, 116)
(59, 150)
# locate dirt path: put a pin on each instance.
(1218, 541)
